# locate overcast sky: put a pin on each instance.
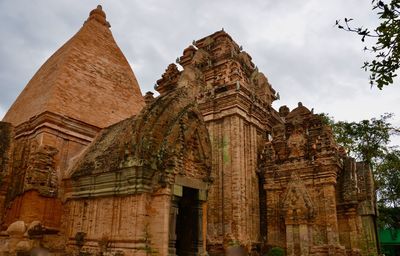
(293, 42)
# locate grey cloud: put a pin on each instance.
(293, 42)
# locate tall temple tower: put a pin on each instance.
(83, 87)
(236, 105)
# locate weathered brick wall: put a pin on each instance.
(6, 137)
(134, 225)
(31, 206)
(357, 208)
(40, 160)
(233, 201)
(6, 148)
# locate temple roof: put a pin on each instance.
(88, 79)
(149, 139)
(299, 111)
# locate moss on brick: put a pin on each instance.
(5, 144)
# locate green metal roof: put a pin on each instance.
(389, 236)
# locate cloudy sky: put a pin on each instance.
(293, 42)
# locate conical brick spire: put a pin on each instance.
(88, 79)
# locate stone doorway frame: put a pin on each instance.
(200, 204)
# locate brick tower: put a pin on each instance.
(236, 106)
(83, 87)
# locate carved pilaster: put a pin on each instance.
(199, 242)
(172, 225)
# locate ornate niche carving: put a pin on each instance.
(279, 142)
(235, 73)
(268, 153)
(297, 143)
(297, 206)
(41, 172)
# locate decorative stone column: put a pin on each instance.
(289, 241)
(172, 225)
(304, 239)
(199, 243)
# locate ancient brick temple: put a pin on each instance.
(89, 166)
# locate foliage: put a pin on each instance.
(326, 119)
(368, 141)
(276, 251)
(386, 49)
(387, 177)
(389, 217)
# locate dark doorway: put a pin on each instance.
(187, 223)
